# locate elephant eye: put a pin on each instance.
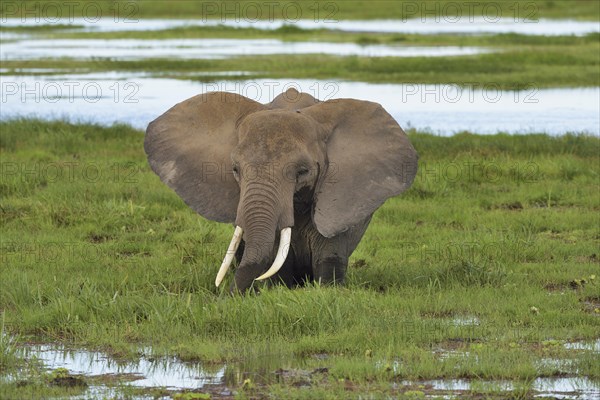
(236, 171)
(302, 171)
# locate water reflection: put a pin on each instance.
(466, 24)
(585, 346)
(167, 372)
(563, 388)
(137, 99)
(265, 368)
(140, 49)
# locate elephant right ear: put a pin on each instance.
(374, 154)
(189, 148)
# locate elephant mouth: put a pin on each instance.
(282, 252)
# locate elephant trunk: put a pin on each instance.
(259, 214)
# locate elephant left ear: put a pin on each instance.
(369, 160)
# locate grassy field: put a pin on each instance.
(482, 271)
(309, 9)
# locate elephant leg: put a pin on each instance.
(291, 274)
(330, 269)
(286, 274)
(330, 255)
(294, 272)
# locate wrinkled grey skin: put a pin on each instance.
(322, 168)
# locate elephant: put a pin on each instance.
(298, 172)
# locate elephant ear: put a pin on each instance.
(369, 160)
(189, 148)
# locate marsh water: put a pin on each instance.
(172, 374)
(167, 372)
(142, 49)
(463, 24)
(138, 98)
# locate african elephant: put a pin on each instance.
(321, 168)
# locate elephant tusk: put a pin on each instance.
(235, 242)
(282, 252)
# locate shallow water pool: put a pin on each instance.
(142, 49)
(174, 375)
(430, 25)
(137, 99)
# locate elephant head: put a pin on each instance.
(235, 160)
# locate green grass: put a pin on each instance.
(9, 359)
(498, 230)
(97, 252)
(309, 9)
